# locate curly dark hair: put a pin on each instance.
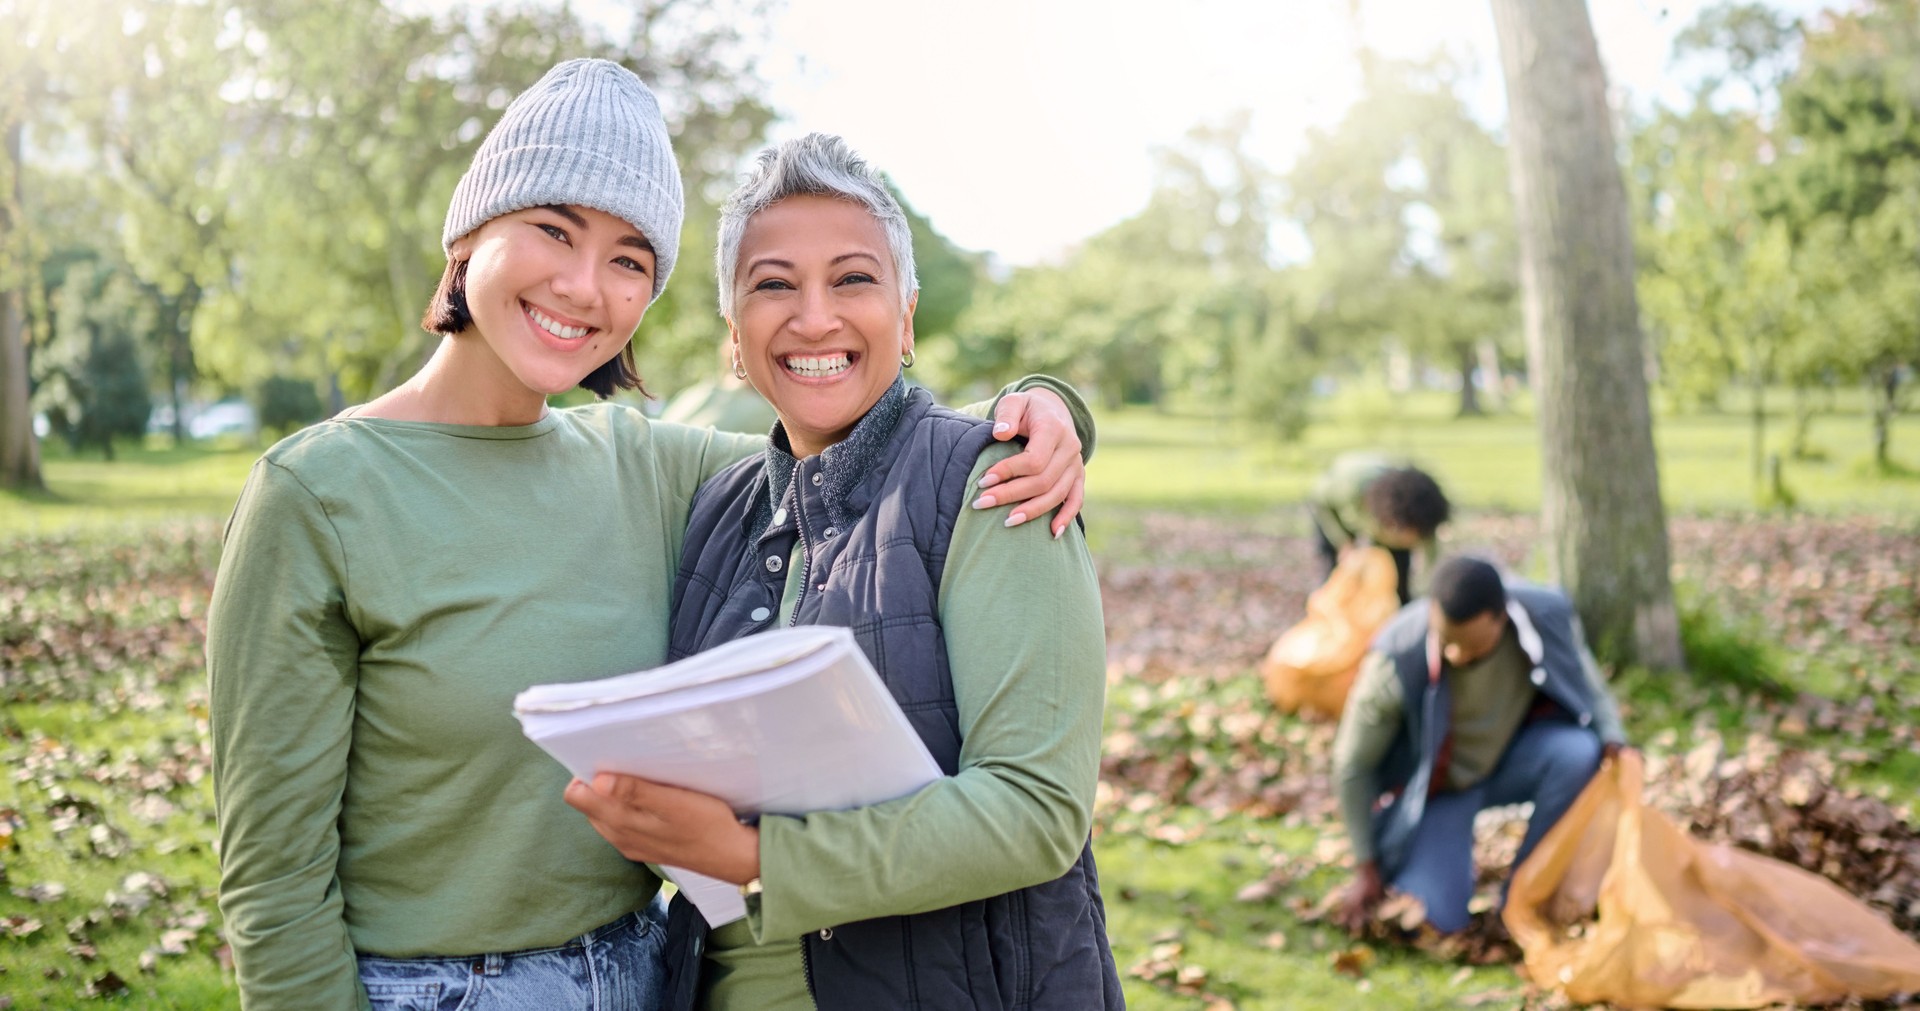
(1408, 497)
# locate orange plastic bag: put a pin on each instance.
(1689, 924)
(1311, 666)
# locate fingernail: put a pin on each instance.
(989, 481)
(983, 502)
(1003, 428)
(1057, 531)
(1016, 519)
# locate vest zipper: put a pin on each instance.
(806, 963)
(806, 558)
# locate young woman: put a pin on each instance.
(392, 578)
(979, 890)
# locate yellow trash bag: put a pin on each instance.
(1311, 666)
(1685, 923)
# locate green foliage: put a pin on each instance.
(948, 275)
(1182, 296)
(285, 403)
(276, 174)
(92, 384)
(1406, 205)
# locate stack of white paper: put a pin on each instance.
(787, 721)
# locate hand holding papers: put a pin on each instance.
(783, 722)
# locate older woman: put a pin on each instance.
(979, 890)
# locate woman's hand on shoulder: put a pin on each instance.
(657, 824)
(1048, 473)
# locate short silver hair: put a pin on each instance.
(819, 164)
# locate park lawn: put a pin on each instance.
(145, 483)
(1188, 459)
(1181, 460)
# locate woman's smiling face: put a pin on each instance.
(818, 321)
(556, 292)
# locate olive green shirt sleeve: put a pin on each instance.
(282, 662)
(1606, 712)
(1367, 728)
(1026, 647)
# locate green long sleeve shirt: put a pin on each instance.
(1491, 699)
(1021, 616)
(385, 589)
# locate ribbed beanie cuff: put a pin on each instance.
(589, 133)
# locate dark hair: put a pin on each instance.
(447, 313)
(1408, 497)
(1467, 587)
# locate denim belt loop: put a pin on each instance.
(493, 963)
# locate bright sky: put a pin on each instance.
(1024, 126)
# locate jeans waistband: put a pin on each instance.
(493, 963)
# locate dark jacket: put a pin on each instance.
(1545, 623)
(874, 516)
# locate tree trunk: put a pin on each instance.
(181, 370)
(1757, 413)
(1605, 525)
(1496, 379)
(1469, 394)
(1802, 423)
(19, 450)
(1886, 399)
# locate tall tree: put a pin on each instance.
(1408, 210)
(1851, 172)
(19, 450)
(1605, 524)
(1720, 284)
(22, 83)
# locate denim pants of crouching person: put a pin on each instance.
(617, 967)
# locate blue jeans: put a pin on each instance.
(1548, 763)
(618, 967)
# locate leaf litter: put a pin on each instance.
(1198, 600)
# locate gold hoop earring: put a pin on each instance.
(906, 359)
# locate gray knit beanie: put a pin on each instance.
(589, 133)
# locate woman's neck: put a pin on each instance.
(464, 383)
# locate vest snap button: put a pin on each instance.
(1539, 676)
(779, 516)
(759, 614)
(774, 563)
(828, 531)
(817, 479)
(826, 933)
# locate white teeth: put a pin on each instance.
(552, 326)
(815, 368)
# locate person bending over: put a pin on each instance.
(1368, 499)
(1484, 695)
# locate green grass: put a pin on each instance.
(146, 482)
(1161, 893)
(1186, 460)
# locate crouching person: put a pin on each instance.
(1481, 695)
